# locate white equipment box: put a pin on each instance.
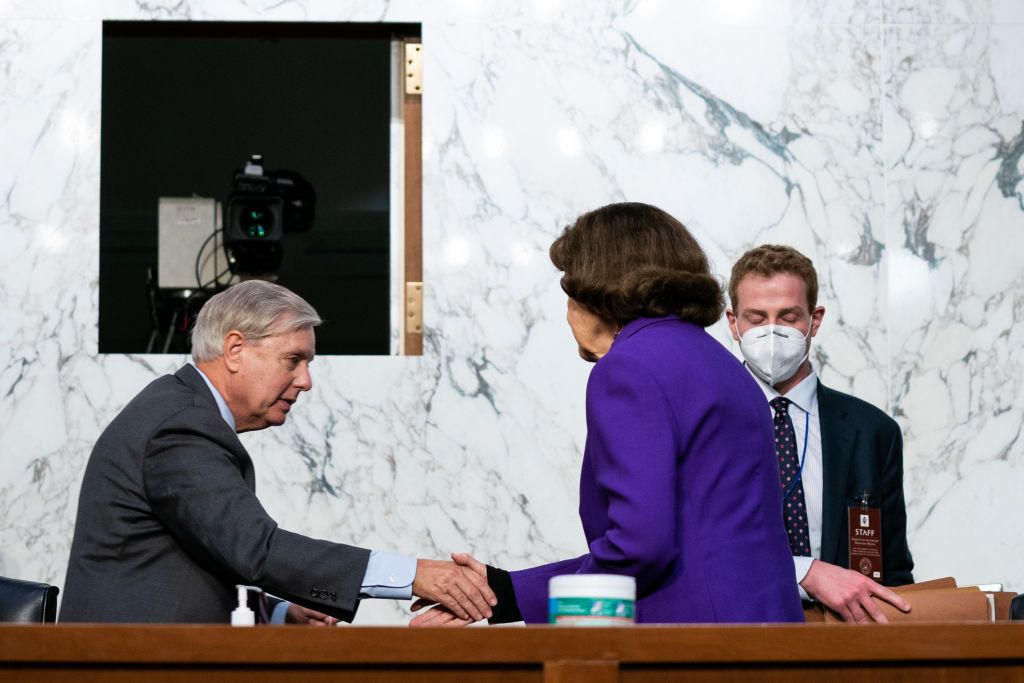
(186, 226)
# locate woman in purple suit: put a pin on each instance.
(680, 486)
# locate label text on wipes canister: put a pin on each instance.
(591, 611)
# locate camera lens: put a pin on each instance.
(257, 221)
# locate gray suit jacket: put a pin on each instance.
(168, 522)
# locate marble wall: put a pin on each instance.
(882, 137)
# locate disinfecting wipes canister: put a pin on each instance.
(591, 600)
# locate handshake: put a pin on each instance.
(457, 591)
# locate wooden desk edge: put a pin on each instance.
(766, 644)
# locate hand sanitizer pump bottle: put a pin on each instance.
(242, 615)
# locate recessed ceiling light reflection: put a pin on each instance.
(737, 11)
(925, 125)
(494, 144)
(457, 252)
(646, 8)
(652, 137)
(51, 239)
(570, 143)
(545, 10)
(75, 130)
(522, 254)
(470, 9)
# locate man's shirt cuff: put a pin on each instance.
(388, 576)
(277, 617)
(801, 566)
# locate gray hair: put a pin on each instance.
(256, 308)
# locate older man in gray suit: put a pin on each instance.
(168, 519)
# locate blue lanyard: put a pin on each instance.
(803, 458)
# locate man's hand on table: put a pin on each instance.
(848, 593)
(297, 614)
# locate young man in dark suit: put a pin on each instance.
(168, 519)
(836, 452)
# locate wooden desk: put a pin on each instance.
(948, 652)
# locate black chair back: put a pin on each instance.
(1017, 608)
(27, 602)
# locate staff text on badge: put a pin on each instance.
(866, 541)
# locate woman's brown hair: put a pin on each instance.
(632, 260)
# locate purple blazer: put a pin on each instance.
(680, 485)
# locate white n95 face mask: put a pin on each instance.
(774, 352)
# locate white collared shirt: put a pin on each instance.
(222, 405)
(803, 411)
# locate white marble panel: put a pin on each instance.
(955, 137)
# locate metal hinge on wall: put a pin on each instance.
(414, 308)
(413, 68)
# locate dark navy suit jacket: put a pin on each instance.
(862, 451)
(680, 486)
